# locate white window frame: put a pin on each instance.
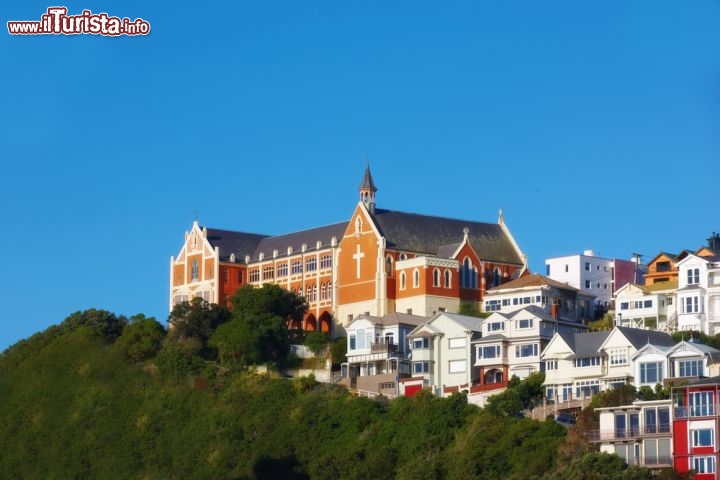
(457, 366)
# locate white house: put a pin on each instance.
(378, 352)
(640, 434)
(595, 276)
(561, 301)
(581, 365)
(676, 364)
(647, 306)
(698, 294)
(441, 352)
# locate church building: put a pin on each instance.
(374, 263)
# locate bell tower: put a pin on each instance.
(367, 190)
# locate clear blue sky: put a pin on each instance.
(593, 125)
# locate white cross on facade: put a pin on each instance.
(357, 256)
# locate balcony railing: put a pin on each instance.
(709, 410)
(660, 430)
(651, 461)
(383, 348)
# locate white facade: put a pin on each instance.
(378, 352)
(585, 272)
(698, 294)
(198, 262)
(441, 352)
(653, 307)
(640, 434)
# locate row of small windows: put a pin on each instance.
(496, 305)
(588, 284)
(311, 292)
(296, 267)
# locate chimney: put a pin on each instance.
(714, 242)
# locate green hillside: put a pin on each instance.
(103, 397)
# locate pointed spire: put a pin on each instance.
(367, 181)
(367, 190)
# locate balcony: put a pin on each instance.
(695, 411)
(625, 434)
(388, 348)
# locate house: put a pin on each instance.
(373, 262)
(441, 352)
(578, 366)
(378, 353)
(698, 293)
(674, 364)
(565, 303)
(695, 428)
(511, 344)
(647, 306)
(596, 276)
(573, 366)
(640, 433)
(661, 269)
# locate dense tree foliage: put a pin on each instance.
(196, 319)
(77, 405)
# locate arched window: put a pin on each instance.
(358, 225)
(416, 278)
(468, 274)
(389, 265)
(195, 271)
(403, 256)
(323, 292)
(448, 278)
(314, 292)
(402, 280)
(496, 277)
(436, 277)
(308, 294)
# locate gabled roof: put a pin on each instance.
(532, 310)
(582, 344)
(465, 321)
(670, 256)
(588, 344)
(390, 319)
(295, 240)
(650, 348)
(532, 280)
(428, 234)
(229, 242)
(639, 337)
(699, 348)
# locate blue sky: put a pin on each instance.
(593, 125)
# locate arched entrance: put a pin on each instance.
(310, 323)
(325, 320)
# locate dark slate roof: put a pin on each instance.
(588, 344)
(367, 181)
(447, 251)
(427, 234)
(239, 243)
(639, 337)
(295, 240)
(585, 344)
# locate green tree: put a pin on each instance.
(338, 350)
(269, 298)
(472, 310)
(107, 324)
(196, 319)
(521, 396)
(317, 342)
(142, 339)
